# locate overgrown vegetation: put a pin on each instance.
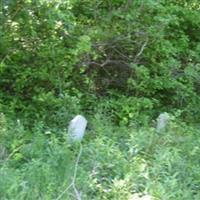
(116, 163)
(120, 63)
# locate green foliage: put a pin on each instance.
(127, 110)
(119, 62)
(116, 162)
(51, 49)
(36, 164)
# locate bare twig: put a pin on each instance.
(60, 196)
(102, 65)
(4, 58)
(72, 184)
(77, 193)
(119, 52)
(14, 151)
(141, 51)
(110, 62)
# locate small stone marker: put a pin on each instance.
(162, 121)
(77, 128)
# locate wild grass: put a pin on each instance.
(117, 163)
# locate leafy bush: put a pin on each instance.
(138, 49)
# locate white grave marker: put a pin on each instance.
(162, 122)
(77, 128)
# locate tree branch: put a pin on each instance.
(141, 51)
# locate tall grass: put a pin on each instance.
(119, 163)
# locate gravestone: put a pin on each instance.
(162, 122)
(76, 129)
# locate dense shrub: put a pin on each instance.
(86, 50)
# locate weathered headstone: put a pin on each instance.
(162, 122)
(76, 129)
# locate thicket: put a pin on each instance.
(124, 57)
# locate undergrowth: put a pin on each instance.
(118, 163)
